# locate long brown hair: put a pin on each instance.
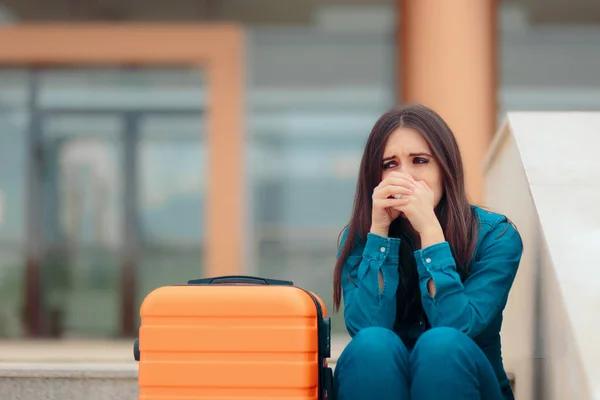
(456, 216)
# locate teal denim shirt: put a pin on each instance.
(473, 307)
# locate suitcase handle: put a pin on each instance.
(233, 279)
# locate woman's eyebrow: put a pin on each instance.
(410, 155)
(420, 154)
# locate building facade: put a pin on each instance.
(147, 145)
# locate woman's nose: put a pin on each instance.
(406, 169)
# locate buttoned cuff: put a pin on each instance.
(382, 248)
(434, 258)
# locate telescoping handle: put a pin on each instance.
(239, 279)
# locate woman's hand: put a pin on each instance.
(421, 214)
(386, 202)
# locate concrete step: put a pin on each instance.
(66, 350)
(68, 381)
(74, 369)
(72, 381)
(78, 370)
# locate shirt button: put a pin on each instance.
(382, 249)
(421, 323)
(428, 260)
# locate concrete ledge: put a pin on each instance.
(73, 381)
(543, 171)
(66, 351)
(69, 370)
(92, 351)
(51, 389)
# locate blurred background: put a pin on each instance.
(145, 143)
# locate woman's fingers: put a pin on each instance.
(400, 175)
(395, 180)
(391, 191)
(382, 203)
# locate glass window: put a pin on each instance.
(546, 66)
(82, 220)
(315, 96)
(117, 160)
(14, 118)
(172, 179)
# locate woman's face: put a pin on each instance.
(407, 151)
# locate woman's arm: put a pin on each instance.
(470, 307)
(365, 304)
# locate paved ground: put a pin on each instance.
(90, 351)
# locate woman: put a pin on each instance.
(425, 275)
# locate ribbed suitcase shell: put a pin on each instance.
(229, 342)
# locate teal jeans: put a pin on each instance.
(444, 364)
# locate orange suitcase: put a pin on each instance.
(232, 338)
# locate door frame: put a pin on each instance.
(218, 49)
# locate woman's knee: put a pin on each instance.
(445, 360)
(373, 365)
(373, 345)
(442, 343)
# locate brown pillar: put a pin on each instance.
(448, 62)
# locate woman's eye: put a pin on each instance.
(420, 160)
(389, 164)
